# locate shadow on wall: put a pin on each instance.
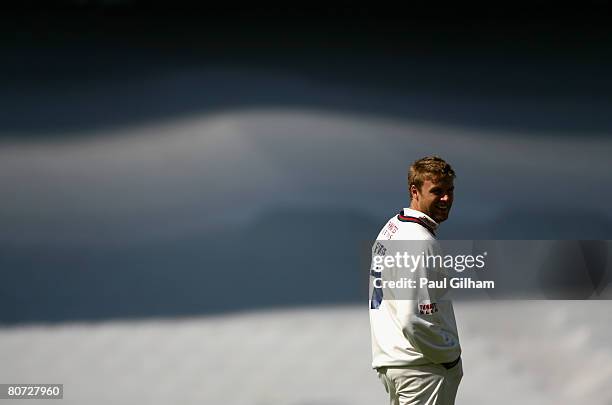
(284, 258)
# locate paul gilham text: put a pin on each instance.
(456, 282)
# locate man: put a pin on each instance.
(415, 344)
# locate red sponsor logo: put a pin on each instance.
(428, 309)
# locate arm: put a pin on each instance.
(426, 319)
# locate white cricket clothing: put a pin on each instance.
(402, 333)
(430, 384)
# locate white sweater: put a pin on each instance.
(420, 328)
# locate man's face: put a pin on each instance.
(434, 199)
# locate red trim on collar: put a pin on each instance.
(415, 220)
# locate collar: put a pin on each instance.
(426, 220)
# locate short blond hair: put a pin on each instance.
(432, 168)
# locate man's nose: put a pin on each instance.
(445, 197)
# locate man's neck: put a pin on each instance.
(414, 207)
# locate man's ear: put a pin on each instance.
(413, 192)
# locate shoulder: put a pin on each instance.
(389, 230)
(413, 231)
(400, 230)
